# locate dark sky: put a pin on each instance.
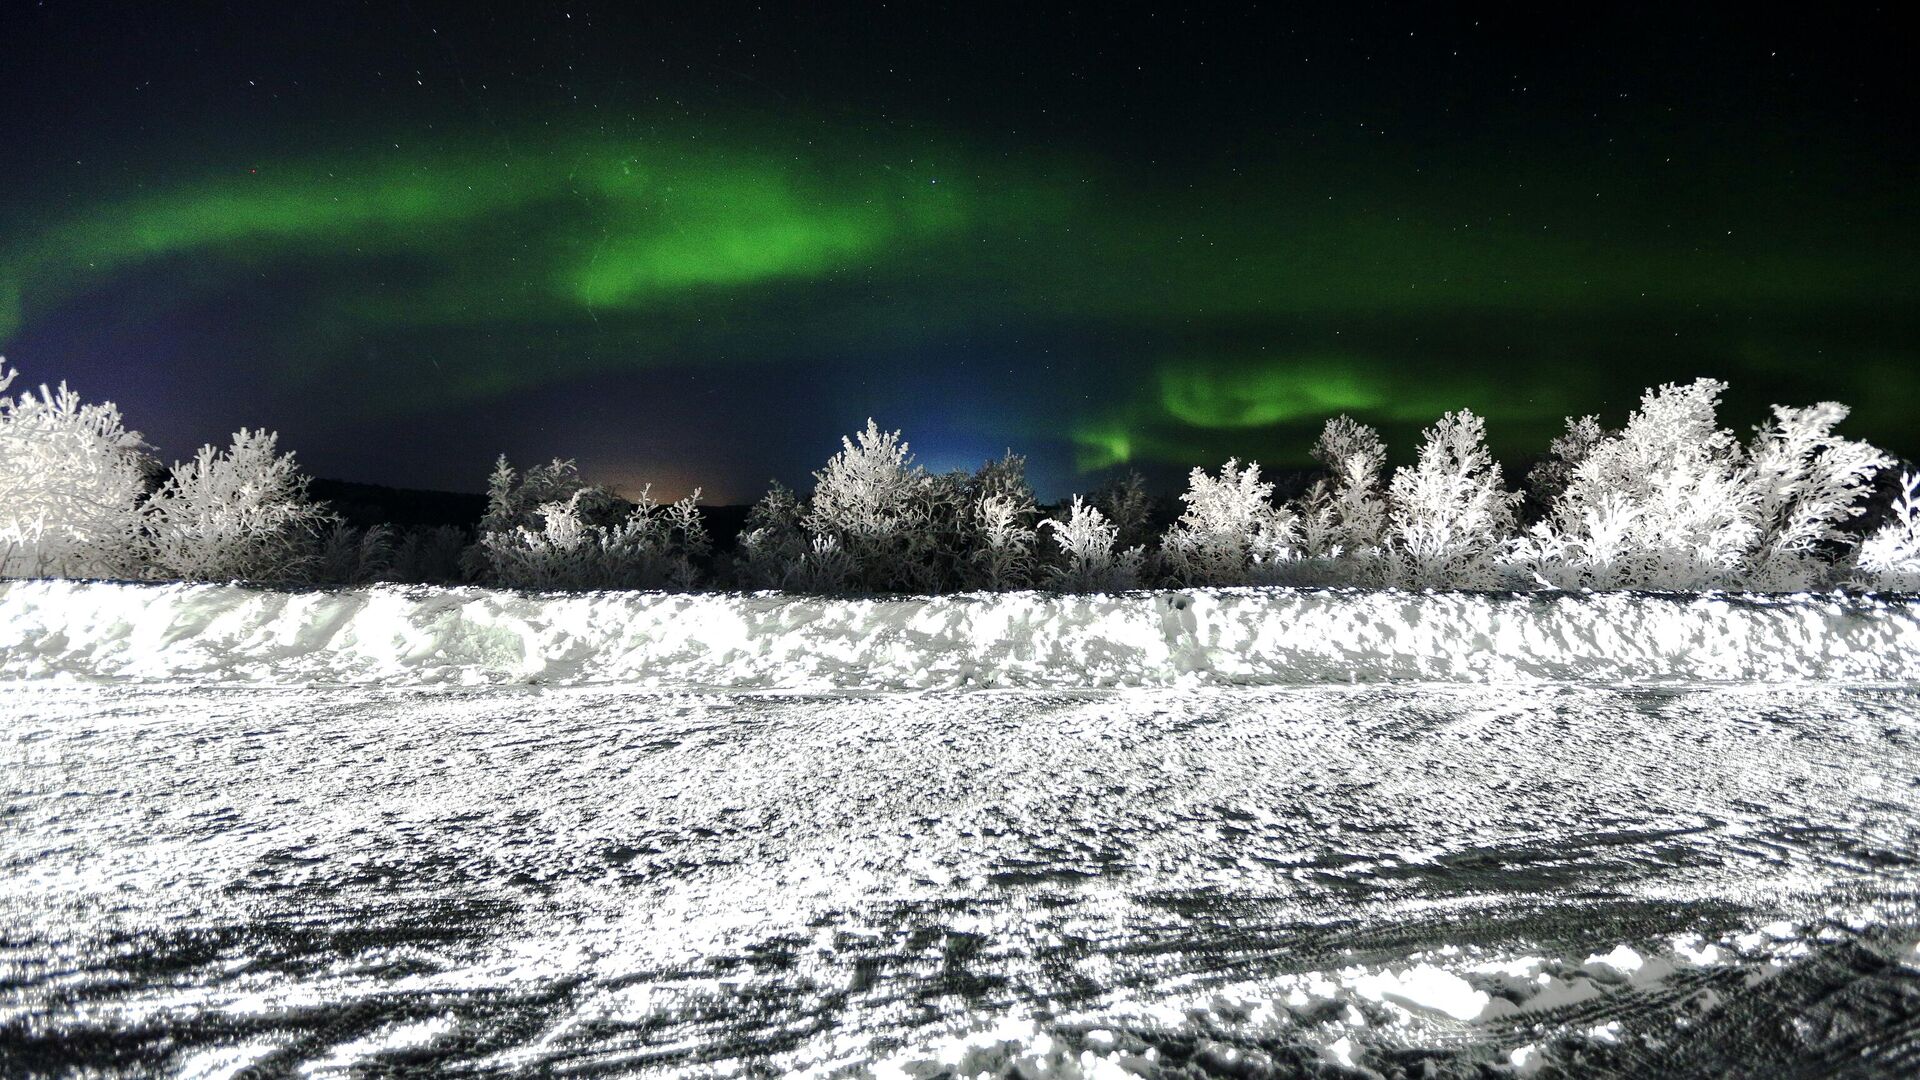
(694, 244)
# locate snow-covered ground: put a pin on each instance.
(471, 636)
(212, 865)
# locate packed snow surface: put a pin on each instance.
(471, 636)
(1390, 880)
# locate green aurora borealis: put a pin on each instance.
(746, 284)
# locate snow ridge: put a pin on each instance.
(391, 635)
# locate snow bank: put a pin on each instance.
(394, 635)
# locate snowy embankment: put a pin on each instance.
(471, 636)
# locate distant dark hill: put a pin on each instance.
(365, 505)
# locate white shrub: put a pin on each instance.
(934, 553)
(1889, 558)
(1088, 559)
(1230, 533)
(1002, 557)
(1449, 515)
(577, 538)
(1805, 482)
(1343, 517)
(71, 483)
(1549, 479)
(872, 506)
(774, 545)
(237, 514)
(1663, 504)
(1674, 502)
(514, 500)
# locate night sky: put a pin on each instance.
(695, 246)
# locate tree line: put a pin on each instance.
(1669, 501)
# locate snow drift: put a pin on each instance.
(416, 635)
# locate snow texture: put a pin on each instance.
(101, 631)
(1410, 880)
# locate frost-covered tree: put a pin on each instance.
(871, 508)
(72, 481)
(1125, 502)
(1002, 556)
(1343, 516)
(878, 522)
(514, 499)
(653, 547)
(350, 556)
(1673, 501)
(1230, 532)
(236, 514)
(578, 536)
(1665, 504)
(1805, 482)
(1889, 558)
(1547, 480)
(428, 555)
(1448, 515)
(935, 550)
(513, 503)
(998, 534)
(773, 547)
(1086, 555)
(1006, 476)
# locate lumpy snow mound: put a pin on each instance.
(394, 635)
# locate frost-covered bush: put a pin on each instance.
(1230, 533)
(350, 556)
(1126, 504)
(1805, 483)
(1662, 504)
(514, 499)
(551, 530)
(935, 550)
(1548, 480)
(1086, 555)
(773, 547)
(1889, 558)
(871, 510)
(999, 537)
(1343, 516)
(1002, 557)
(1673, 501)
(72, 481)
(1448, 516)
(427, 555)
(236, 514)
(877, 522)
